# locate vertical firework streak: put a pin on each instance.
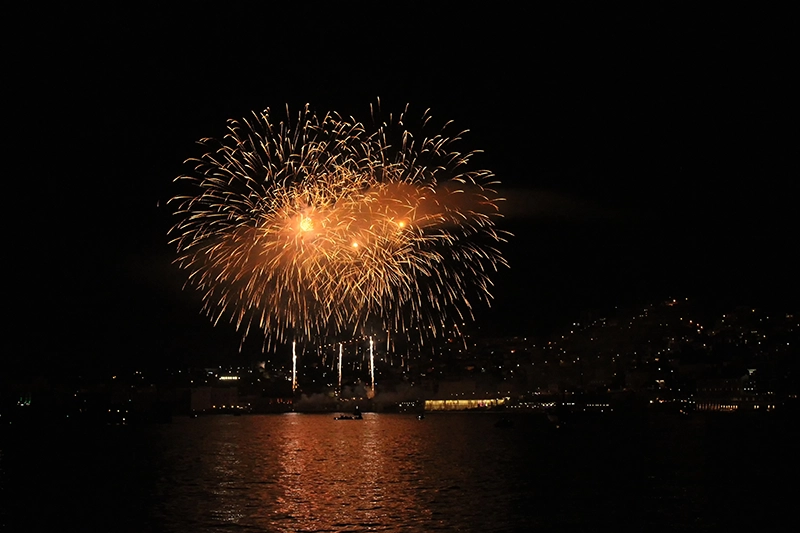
(313, 227)
(371, 367)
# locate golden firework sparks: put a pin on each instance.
(315, 226)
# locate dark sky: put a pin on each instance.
(644, 153)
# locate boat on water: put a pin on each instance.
(355, 416)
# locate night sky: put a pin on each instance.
(643, 153)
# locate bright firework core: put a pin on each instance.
(306, 224)
(317, 226)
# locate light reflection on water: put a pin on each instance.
(449, 472)
(313, 473)
(452, 472)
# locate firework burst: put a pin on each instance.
(313, 226)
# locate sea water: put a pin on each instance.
(394, 472)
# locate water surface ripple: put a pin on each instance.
(449, 472)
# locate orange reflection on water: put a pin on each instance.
(341, 474)
(310, 472)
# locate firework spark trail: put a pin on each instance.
(371, 368)
(315, 226)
